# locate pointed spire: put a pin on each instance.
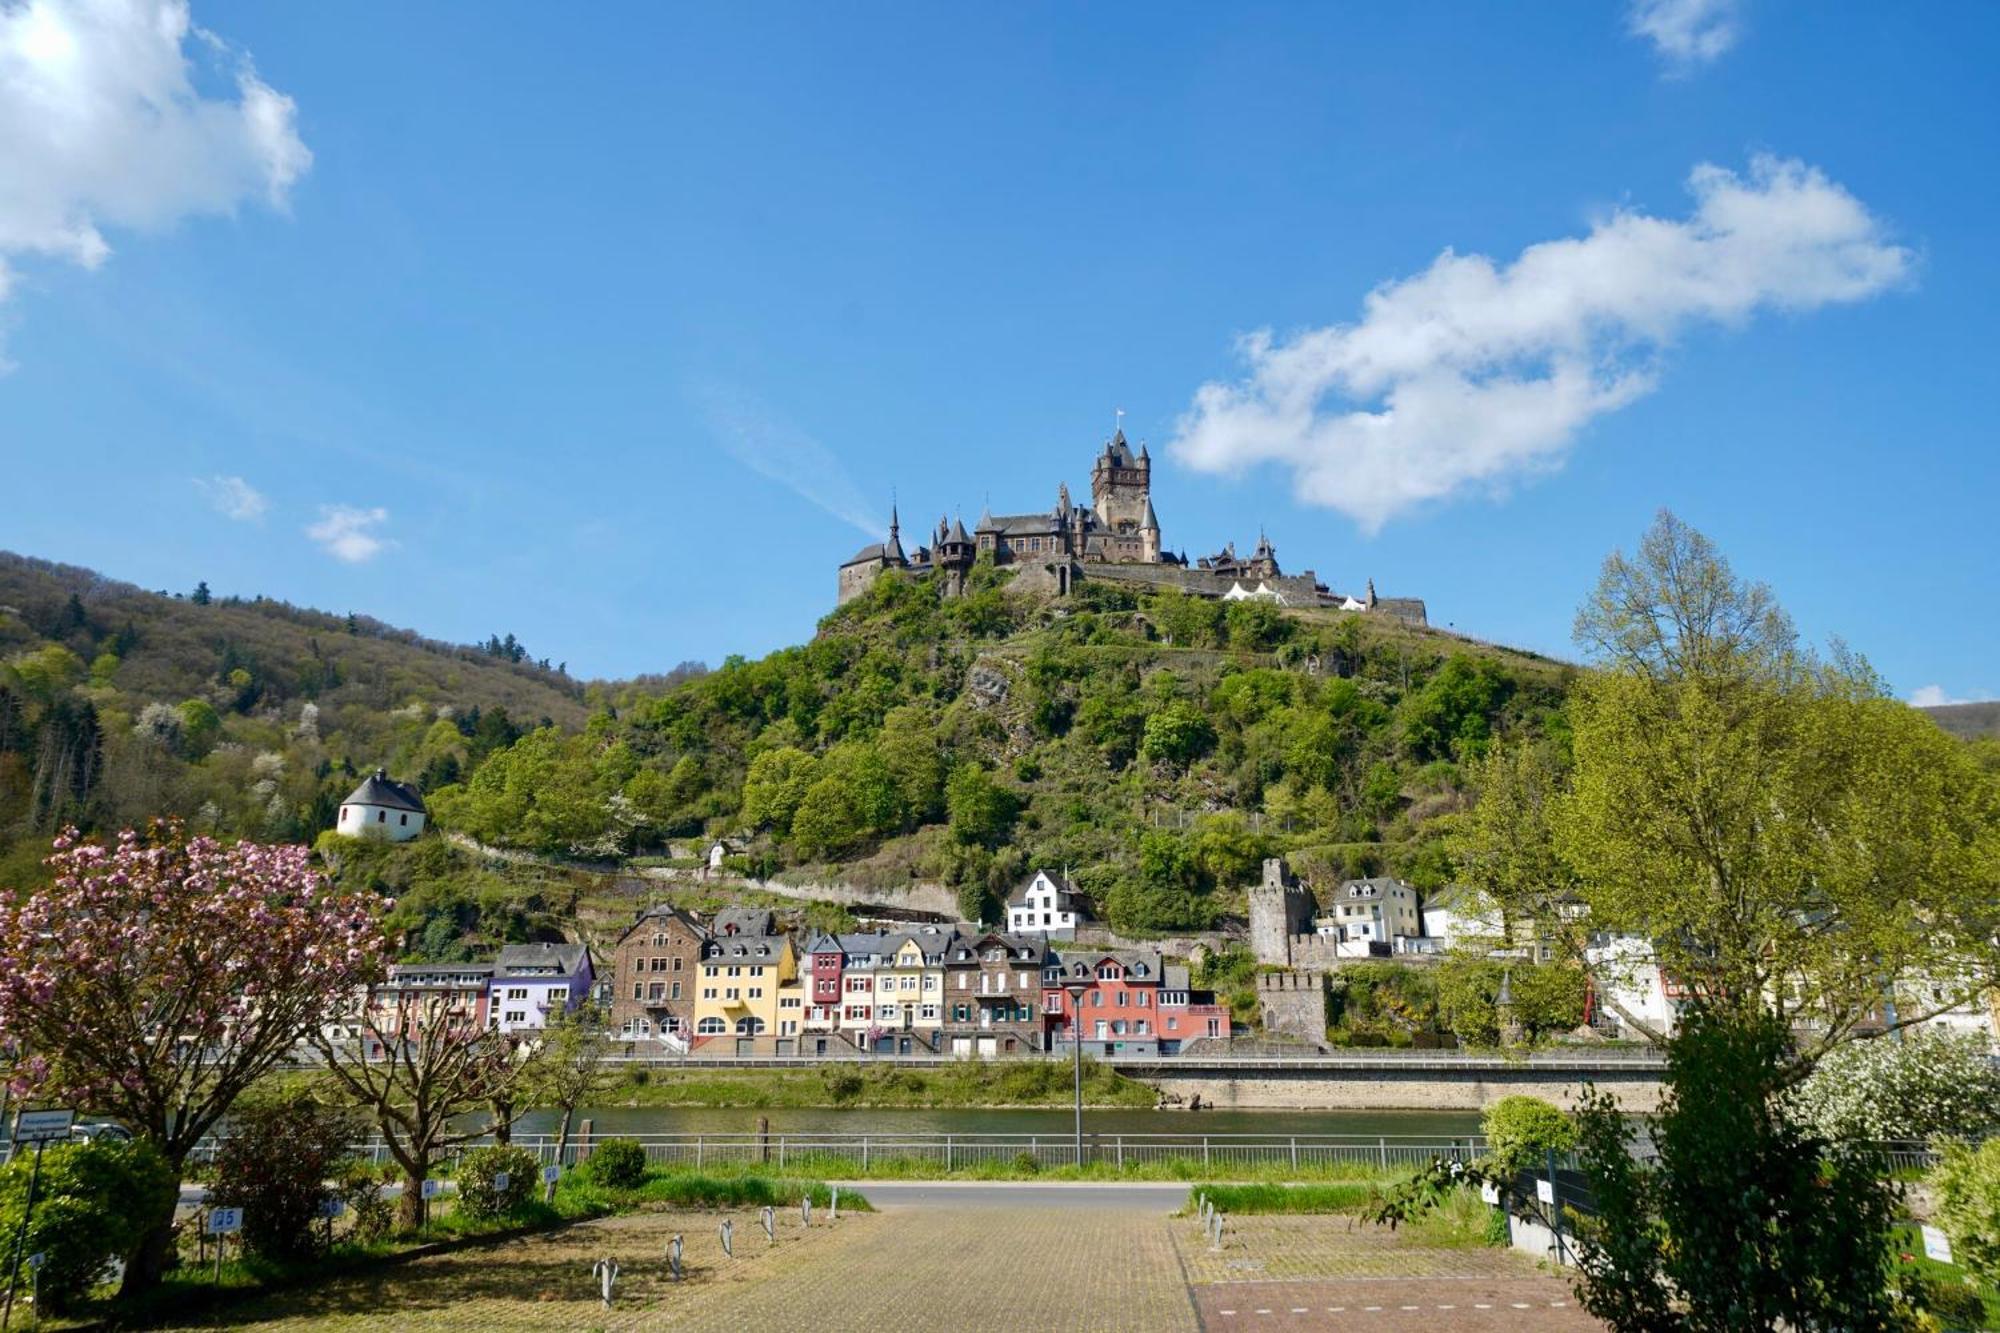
(1144, 457)
(1151, 523)
(1371, 592)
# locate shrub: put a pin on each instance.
(274, 1166)
(93, 1204)
(1521, 1131)
(479, 1194)
(1953, 1304)
(1927, 1084)
(370, 1215)
(1027, 1163)
(1967, 1183)
(616, 1164)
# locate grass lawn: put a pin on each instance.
(1016, 1084)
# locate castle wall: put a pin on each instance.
(1280, 908)
(1293, 1004)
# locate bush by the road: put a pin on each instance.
(274, 1165)
(1521, 1131)
(480, 1194)
(617, 1164)
(92, 1205)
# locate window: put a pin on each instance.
(1121, 999)
(708, 992)
(381, 816)
(710, 1027)
(964, 980)
(677, 963)
(517, 1015)
(749, 1027)
(638, 990)
(708, 971)
(756, 992)
(1145, 1000)
(677, 990)
(517, 992)
(789, 1002)
(928, 1011)
(1142, 1027)
(406, 821)
(735, 971)
(733, 993)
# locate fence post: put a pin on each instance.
(1295, 1154)
(697, 1152)
(781, 1152)
(1204, 1152)
(864, 1154)
(947, 1153)
(1382, 1145)
(1121, 1152)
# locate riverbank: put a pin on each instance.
(1015, 1084)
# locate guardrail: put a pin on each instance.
(1614, 1058)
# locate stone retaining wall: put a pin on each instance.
(1416, 1090)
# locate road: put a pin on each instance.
(1123, 1196)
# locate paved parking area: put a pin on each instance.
(1110, 1260)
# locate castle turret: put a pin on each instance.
(1280, 907)
(955, 554)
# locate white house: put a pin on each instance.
(1046, 904)
(1968, 1010)
(1628, 978)
(1375, 912)
(381, 807)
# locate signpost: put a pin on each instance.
(1489, 1193)
(40, 1128)
(1937, 1245)
(501, 1180)
(550, 1175)
(222, 1222)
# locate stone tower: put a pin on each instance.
(955, 554)
(1280, 907)
(1121, 486)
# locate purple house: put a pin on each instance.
(532, 981)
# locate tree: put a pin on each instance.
(156, 979)
(1177, 734)
(419, 1068)
(568, 1069)
(201, 595)
(1785, 835)
(94, 1203)
(1521, 1131)
(1747, 1222)
(1921, 1084)
(981, 812)
(776, 786)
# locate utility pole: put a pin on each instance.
(1075, 992)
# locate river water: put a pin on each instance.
(1054, 1121)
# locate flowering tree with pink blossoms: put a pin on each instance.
(156, 979)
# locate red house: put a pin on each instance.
(1118, 1013)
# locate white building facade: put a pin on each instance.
(381, 807)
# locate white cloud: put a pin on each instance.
(1472, 373)
(1686, 33)
(103, 124)
(348, 533)
(1933, 696)
(234, 497)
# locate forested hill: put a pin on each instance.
(1156, 745)
(247, 717)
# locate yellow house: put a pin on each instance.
(743, 978)
(909, 986)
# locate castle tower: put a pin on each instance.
(1149, 535)
(955, 553)
(1280, 907)
(1121, 485)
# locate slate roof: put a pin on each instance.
(734, 921)
(746, 948)
(560, 960)
(1067, 895)
(1175, 976)
(378, 788)
(660, 915)
(1022, 949)
(1374, 889)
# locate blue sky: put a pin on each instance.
(601, 325)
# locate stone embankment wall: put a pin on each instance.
(1416, 1090)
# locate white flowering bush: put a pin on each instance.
(1925, 1084)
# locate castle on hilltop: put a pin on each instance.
(1116, 537)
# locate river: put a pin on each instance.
(1055, 1121)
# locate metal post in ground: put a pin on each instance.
(21, 1235)
(1555, 1209)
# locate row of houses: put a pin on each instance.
(735, 985)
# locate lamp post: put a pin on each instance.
(1075, 990)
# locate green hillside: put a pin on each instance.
(247, 717)
(1156, 744)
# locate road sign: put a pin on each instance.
(1489, 1192)
(224, 1221)
(1545, 1190)
(36, 1260)
(1937, 1245)
(501, 1180)
(551, 1174)
(432, 1188)
(43, 1126)
(330, 1207)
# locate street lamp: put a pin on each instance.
(1075, 990)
